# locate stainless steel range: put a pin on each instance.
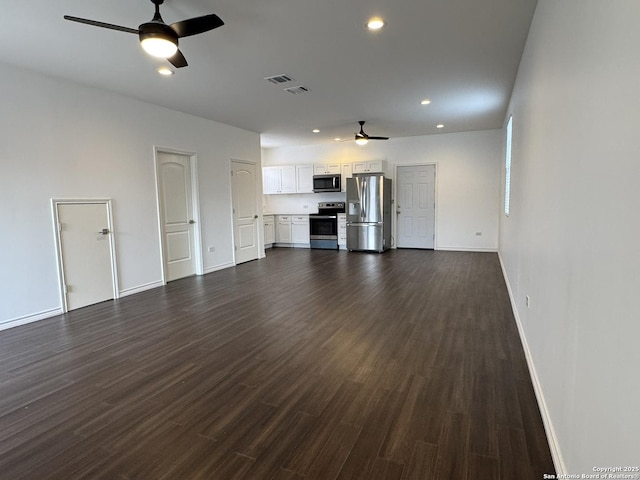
(323, 226)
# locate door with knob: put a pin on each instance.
(245, 211)
(415, 207)
(176, 200)
(86, 253)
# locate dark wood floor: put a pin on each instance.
(305, 365)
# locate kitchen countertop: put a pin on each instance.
(287, 213)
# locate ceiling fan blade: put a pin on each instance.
(178, 60)
(194, 26)
(101, 24)
(377, 138)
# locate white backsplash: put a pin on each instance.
(298, 203)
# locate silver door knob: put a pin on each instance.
(191, 222)
(104, 231)
(255, 216)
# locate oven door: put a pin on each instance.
(323, 231)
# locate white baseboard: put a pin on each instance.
(34, 317)
(215, 268)
(552, 439)
(465, 249)
(140, 288)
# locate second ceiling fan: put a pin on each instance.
(362, 138)
(159, 39)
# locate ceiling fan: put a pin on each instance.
(159, 39)
(362, 138)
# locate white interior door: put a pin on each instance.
(245, 215)
(415, 206)
(176, 215)
(85, 252)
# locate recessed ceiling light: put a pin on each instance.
(166, 71)
(337, 139)
(440, 125)
(315, 130)
(426, 101)
(375, 23)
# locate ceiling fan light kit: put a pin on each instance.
(159, 47)
(158, 40)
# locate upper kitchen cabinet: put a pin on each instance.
(321, 169)
(377, 166)
(287, 179)
(346, 172)
(279, 179)
(304, 178)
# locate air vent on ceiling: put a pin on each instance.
(296, 90)
(278, 79)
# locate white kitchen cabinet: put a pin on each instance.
(288, 179)
(276, 180)
(269, 230)
(283, 229)
(376, 166)
(304, 178)
(342, 231)
(346, 171)
(270, 180)
(321, 169)
(300, 229)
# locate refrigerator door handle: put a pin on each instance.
(363, 212)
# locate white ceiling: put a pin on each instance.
(462, 54)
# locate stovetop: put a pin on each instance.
(330, 208)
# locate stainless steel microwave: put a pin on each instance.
(327, 183)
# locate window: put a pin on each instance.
(507, 168)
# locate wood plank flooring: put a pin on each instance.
(309, 364)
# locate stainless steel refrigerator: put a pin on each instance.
(368, 213)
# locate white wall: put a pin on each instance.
(571, 241)
(63, 140)
(467, 179)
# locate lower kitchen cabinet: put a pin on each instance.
(292, 231)
(300, 229)
(283, 229)
(269, 230)
(342, 231)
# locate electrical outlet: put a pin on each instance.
(478, 234)
(212, 249)
(527, 301)
(305, 206)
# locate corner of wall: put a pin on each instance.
(552, 439)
